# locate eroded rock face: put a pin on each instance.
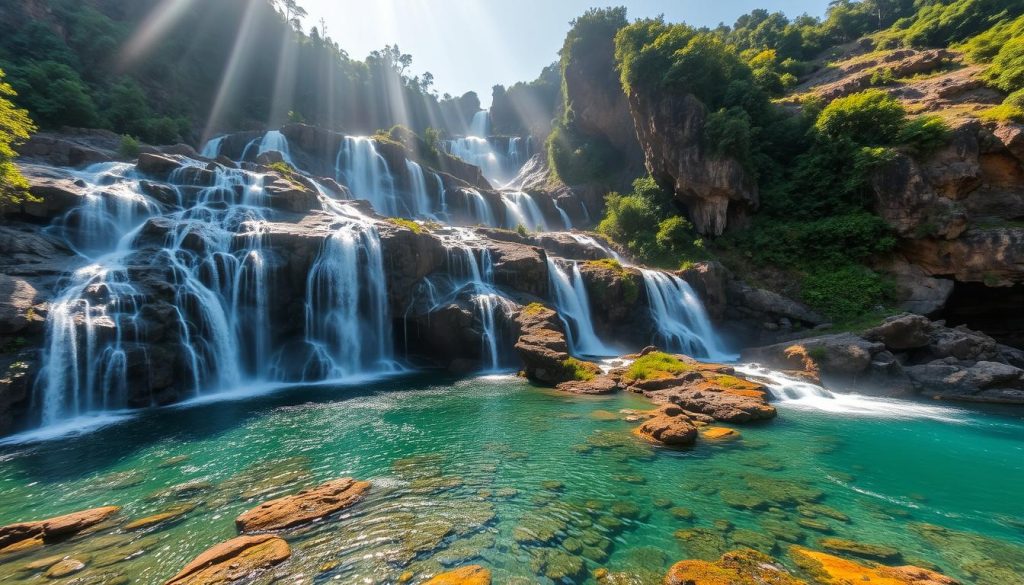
(717, 192)
(303, 507)
(237, 560)
(543, 348)
(993, 256)
(669, 426)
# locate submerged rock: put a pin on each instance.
(669, 426)
(875, 552)
(25, 535)
(239, 559)
(303, 507)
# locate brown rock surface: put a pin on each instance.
(669, 426)
(470, 575)
(305, 506)
(239, 559)
(29, 534)
(741, 567)
(832, 570)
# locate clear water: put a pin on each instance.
(460, 470)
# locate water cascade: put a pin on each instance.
(522, 210)
(366, 174)
(420, 200)
(212, 148)
(574, 309)
(275, 141)
(681, 323)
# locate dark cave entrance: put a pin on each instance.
(996, 311)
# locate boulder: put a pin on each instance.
(668, 426)
(741, 567)
(914, 289)
(31, 534)
(982, 382)
(238, 560)
(303, 507)
(470, 575)
(832, 570)
(157, 166)
(55, 192)
(72, 147)
(720, 405)
(544, 351)
(597, 385)
(901, 332)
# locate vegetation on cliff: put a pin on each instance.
(15, 127)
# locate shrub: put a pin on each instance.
(1007, 70)
(871, 117)
(845, 292)
(521, 230)
(579, 370)
(407, 224)
(129, 147)
(924, 134)
(656, 365)
(675, 234)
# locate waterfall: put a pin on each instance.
(112, 206)
(479, 208)
(481, 124)
(420, 204)
(681, 323)
(212, 148)
(521, 209)
(561, 213)
(275, 141)
(442, 196)
(574, 309)
(365, 172)
(478, 151)
(347, 325)
(514, 156)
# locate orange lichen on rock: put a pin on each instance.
(238, 559)
(720, 433)
(832, 570)
(741, 567)
(305, 506)
(470, 575)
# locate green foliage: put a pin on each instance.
(577, 158)
(830, 240)
(944, 23)
(1003, 113)
(845, 292)
(15, 128)
(656, 365)
(1007, 70)
(924, 134)
(129, 147)
(984, 47)
(871, 117)
(675, 234)
(579, 370)
(521, 230)
(407, 224)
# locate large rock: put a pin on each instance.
(31, 534)
(72, 147)
(907, 201)
(54, 192)
(303, 507)
(239, 560)
(470, 575)
(543, 348)
(990, 255)
(981, 382)
(832, 570)
(902, 332)
(741, 567)
(716, 191)
(668, 426)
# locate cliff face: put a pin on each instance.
(717, 192)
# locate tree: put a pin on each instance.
(293, 13)
(15, 128)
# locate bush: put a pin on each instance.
(845, 292)
(924, 134)
(1007, 70)
(656, 365)
(15, 128)
(129, 147)
(829, 241)
(675, 234)
(871, 117)
(579, 370)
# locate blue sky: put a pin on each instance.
(474, 44)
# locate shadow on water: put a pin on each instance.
(72, 457)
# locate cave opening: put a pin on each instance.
(996, 311)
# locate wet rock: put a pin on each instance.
(170, 515)
(718, 433)
(669, 426)
(556, 564)
(31, 534)
(702, 543)
(743, 567)
(831, 570)
(237, 560)
(817, 525)
(543, 348)
(596, 386)
(986, 560)
(470, 575)
(303, 507)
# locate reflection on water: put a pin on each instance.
(537, 486)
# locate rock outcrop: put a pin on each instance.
(669, 425)
(907, 353)
(26, 535)
(716, 191)
(543, 348)
(303, 507)
(238, 560)
(742, 567)
(832, 570)
(470, 575)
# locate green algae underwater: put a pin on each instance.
(537, 486)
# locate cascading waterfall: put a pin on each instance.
(574, 309)
(478, 151)
(275, 141)
(366, 174)
(442, 196)
(212, 147)
(479, 208)
(347, 323)
(681, 323)
(522, 210)
(420, 200)
(481, 124)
